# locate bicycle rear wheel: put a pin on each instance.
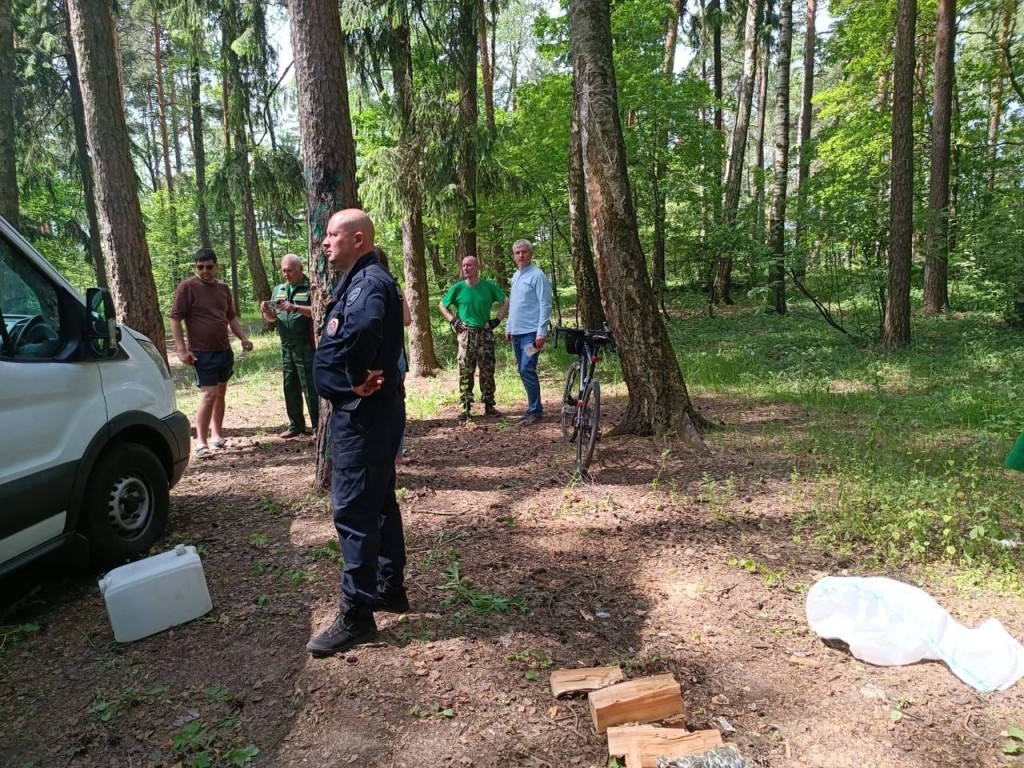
(590, 425)
(572, 385)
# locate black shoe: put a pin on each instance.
(353, 626)
(464, 416)
(289, 433)
(490, 410)
(394, 600)
(530, 418)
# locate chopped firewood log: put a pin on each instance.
(587, 679)
(636, 701)
(645, 749)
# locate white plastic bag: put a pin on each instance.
(889, 623)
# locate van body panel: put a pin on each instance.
(48, 411)
(35, 497)
(32, 537)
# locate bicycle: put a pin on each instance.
(581, 398)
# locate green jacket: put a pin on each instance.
(292, 326)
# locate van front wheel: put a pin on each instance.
(126, 504)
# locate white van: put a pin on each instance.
(90, 438)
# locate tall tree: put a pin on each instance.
(896, 325)
(674, 9)
(777, 217)
(465, 45)
(328, 154)
(84, 165)
(658, 398)
(936, 286)
(1007, 9)
(8, 165)
(237, 119)
(588, 292)
(806, 116)
(422, 358)
(738, 148)
(120, 216)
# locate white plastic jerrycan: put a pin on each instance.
(151, 595)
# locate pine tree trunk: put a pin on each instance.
(588, 292)
(9, 205)
(422, 358)
(658, 399)
(486, 67)
(806, 116)
(1008, 10)
(936, 266)
(161, 102)
(777, 218)
(328, 155)
(896, 328)
(237, 118)
(199, 149)
(84, 165)
(466, 163)
(122, 231)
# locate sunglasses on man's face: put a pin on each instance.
(205, 267)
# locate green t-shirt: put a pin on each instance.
(474, 304)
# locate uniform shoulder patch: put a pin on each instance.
(353, 295)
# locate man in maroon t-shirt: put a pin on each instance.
(204, 303)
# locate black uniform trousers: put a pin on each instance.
(366, 513)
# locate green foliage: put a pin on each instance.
(464, 592)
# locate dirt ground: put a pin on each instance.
(660, 561)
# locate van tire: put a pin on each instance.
(126, 504)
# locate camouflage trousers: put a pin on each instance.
(476, 350)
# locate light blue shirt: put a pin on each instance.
(529, 302)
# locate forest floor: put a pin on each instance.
(661, 561)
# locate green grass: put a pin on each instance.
(905, 450)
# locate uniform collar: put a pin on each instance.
(368, 258)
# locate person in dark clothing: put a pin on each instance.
(356, 368)
(291, 310)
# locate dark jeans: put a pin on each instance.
(527, 365)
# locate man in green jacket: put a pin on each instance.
(290, 309)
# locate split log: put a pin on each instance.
(636, 701)
(643, 750)
(586, 679)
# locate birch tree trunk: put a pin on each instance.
(658, 398)
(806, 116)
(737, 149)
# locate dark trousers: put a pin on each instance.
(369, 525)
(297, 367)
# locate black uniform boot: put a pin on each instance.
(354, 626)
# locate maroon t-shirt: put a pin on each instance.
(206, 309)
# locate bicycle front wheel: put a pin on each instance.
(590, 425)
(572, 386)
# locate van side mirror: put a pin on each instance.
(102, 331)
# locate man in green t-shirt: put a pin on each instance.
(467, 306)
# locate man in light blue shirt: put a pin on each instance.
(527, 324)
